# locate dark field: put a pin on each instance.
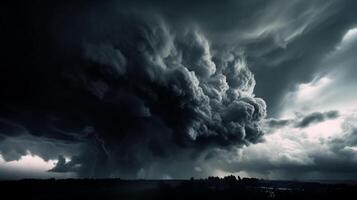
(211, 188)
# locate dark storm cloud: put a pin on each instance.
(142, 88)
(122, 91)
(316, 117)
(274, 44)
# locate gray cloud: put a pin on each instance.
(277, 123)
(316, 117)
(300, 120)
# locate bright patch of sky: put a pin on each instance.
(333, 89)
(28, 162)
(31, 166)
(348, 38)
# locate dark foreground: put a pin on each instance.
(211, 188)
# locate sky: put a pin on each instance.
(177, 89)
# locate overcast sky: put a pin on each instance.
(174, 89)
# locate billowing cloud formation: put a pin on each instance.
(128, 92)
(142, 88)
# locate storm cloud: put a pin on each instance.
(139, 89)
(126, 91)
